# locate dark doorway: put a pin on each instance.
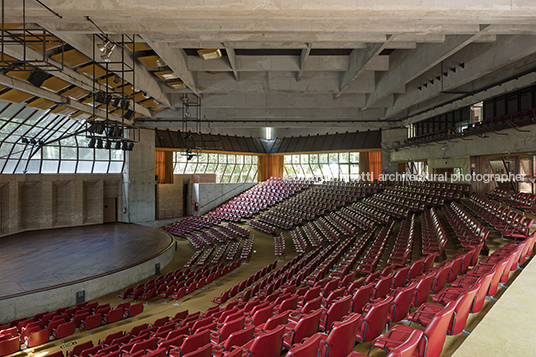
(184, 199)
(110, 210)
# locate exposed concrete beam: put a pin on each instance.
(176, 59)
(409, 65)
(143, 80)
(304, 56)
(43, 93)
(231, 56)
(489, 58)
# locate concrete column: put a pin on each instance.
(140, 182)
(389, 137)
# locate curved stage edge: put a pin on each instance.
(50, 298)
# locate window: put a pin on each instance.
(35, 141)
(335, 165)
(227, 167)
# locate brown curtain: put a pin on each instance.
(270, 165)
(375, 164)
(163, 166)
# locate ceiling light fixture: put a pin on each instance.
(209, 53)
(106, 51)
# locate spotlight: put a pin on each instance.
(33, 141)
(128, 115)
(125, 104)
(106, 51)
(189, 157)
(116, 102)
(118, 145)
(92, 142)
(187, 115)
(462, 65)
(99, 144)
(130, 146)
(116, 79)
(108, 145)
(125, 145)
(42, 142)
(100, 97)
(25, 140)
(188, 135)
(99, 128)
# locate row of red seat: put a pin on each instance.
(508, 222)
(328, 229)
(434, 237)
(387, 206)
(350, 258)
(469, 231)
(264, 227)
(356, 219)
(521, 200)
(369, 212)
(61, 323)
(279, 245)
(190, 224)
(371, 258)
(403, 243)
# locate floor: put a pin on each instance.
(262, 255)
(76, 254)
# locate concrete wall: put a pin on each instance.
(169, 201)
(141, 182)
(211, 195)
(31, 202)
(50, 300)
(389, 136)
(462, 162)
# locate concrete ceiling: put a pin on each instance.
(309, 66)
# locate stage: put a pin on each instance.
(53, 265)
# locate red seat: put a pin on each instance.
(113, 315)
(262, 315)
(268, 344)
(371, 326)
(336, 312)
(91, 322)
(434, 334)
(238, 338)
(179, 294)
(108, 340)
(125, 293)
(64, 330)
(227, 329)
(422, 289)
(341, 338)
(307, 349)
(401, 304)
(133, 310)
(424, 315)
(205, 351)
(77, 350)
(190, 344)
(9, 346)
(306, 327)
(274, 321)
(406, 349)
(36, 338)
(401, 277)
(382, 286)
(361, 297)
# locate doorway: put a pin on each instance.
(185, 192)
(110, 210)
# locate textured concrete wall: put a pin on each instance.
(214, 194)
(388, 138)
(31, 202)
(141, 186)
(50, 300)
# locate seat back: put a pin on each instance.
(330, 286)
(135, 309)
(436, 332)
(407, 349)
(195, 341)
(428, 262)
(455, 268)
(312, 293)
(422, 289)
(307, 326)
(276, 320)
(337, 311)
(335, 294)
(401, 277)
(382, 287)
(306, 349)
(415, 269)
(375, 320)
(114, 315)
(312, 305)
(268, 344)
(111, 337)
(37, 338)
(463, 307)
(262, 315)
(205, 351)
(341, 339)
(65, 329)
(229, 327)
(239, 338)
(9, 346)
(361, 297)
(401, 304)
(77, 350)
(440, 278)
(289, 304)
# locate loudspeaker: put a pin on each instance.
(37, 77)
(129, 114)
(81, 296)
(157, 269)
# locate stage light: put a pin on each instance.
(118, 145)
(130, 146)
(25, 140)
(128, 115)
(106, 51)
(33, 141)
(99, 144)
(100, 97)
(108, 145)
(125, 104)
(91, 143)
(116, 102)
(125, 145)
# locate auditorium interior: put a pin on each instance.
(267, 178)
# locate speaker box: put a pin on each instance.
(81, 296)
(37, 78)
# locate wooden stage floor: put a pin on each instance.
(39, 260)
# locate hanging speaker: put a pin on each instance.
(37, 77)
(129, 114)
